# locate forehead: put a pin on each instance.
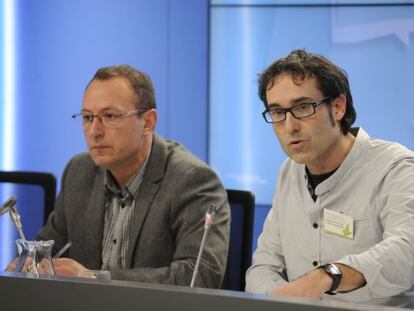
(115, 92)
(285, 89)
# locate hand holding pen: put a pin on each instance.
(62, 250)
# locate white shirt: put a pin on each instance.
(375, 186)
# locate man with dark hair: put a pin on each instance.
(342, 216)
(135, 203)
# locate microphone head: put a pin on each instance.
(5, 207)
(10, 202)
(210, 214)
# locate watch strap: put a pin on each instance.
(336, 277)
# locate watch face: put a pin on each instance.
(333, 269)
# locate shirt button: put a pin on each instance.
(315, 263)
(114, 241)
(315, 225)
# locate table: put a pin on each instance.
(20, 292)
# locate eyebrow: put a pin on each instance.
(294, 102)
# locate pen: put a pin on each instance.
(62, 250)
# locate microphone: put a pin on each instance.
(8, 206)
(208, 221)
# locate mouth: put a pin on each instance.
(297, 143)
(99, 147)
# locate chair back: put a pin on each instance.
(241, 235)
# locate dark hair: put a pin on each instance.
(332, 80)
(140, 82)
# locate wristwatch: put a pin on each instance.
(335, 273)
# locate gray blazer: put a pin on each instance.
(167, 225)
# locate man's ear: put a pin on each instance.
(150, 119)
(339, 107)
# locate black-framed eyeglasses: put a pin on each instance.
(299, 111)
(108, 119)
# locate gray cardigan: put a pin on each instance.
(167, 225)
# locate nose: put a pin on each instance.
(291, 123)
(96, 127)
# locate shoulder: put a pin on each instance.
(180, 170)
(177, 157)
(385, 153)
(184, 174)
(383, 159)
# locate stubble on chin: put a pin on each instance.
(300, 157)
(98, 159)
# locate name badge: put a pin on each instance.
(338, 224)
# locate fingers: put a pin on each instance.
(23, 267)
(12, 266)
(67, 267)
(45, 267)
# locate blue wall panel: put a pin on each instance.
(188, 79)
(62, 43)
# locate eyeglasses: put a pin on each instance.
(108, 119)
(300, 111)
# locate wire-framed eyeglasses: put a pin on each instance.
(299, 111)
(108, 119)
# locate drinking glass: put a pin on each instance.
(34, 257)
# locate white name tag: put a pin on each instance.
(338, 224)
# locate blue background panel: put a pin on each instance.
(244, 41)
(62, 43)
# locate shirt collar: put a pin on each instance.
(360, 139)
(131, 186)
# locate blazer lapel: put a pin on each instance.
(94, 223)
(154, 172)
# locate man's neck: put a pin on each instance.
(124, 173)
(334, 156)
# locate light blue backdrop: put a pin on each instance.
(373, 44)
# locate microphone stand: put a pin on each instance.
(208, 221)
